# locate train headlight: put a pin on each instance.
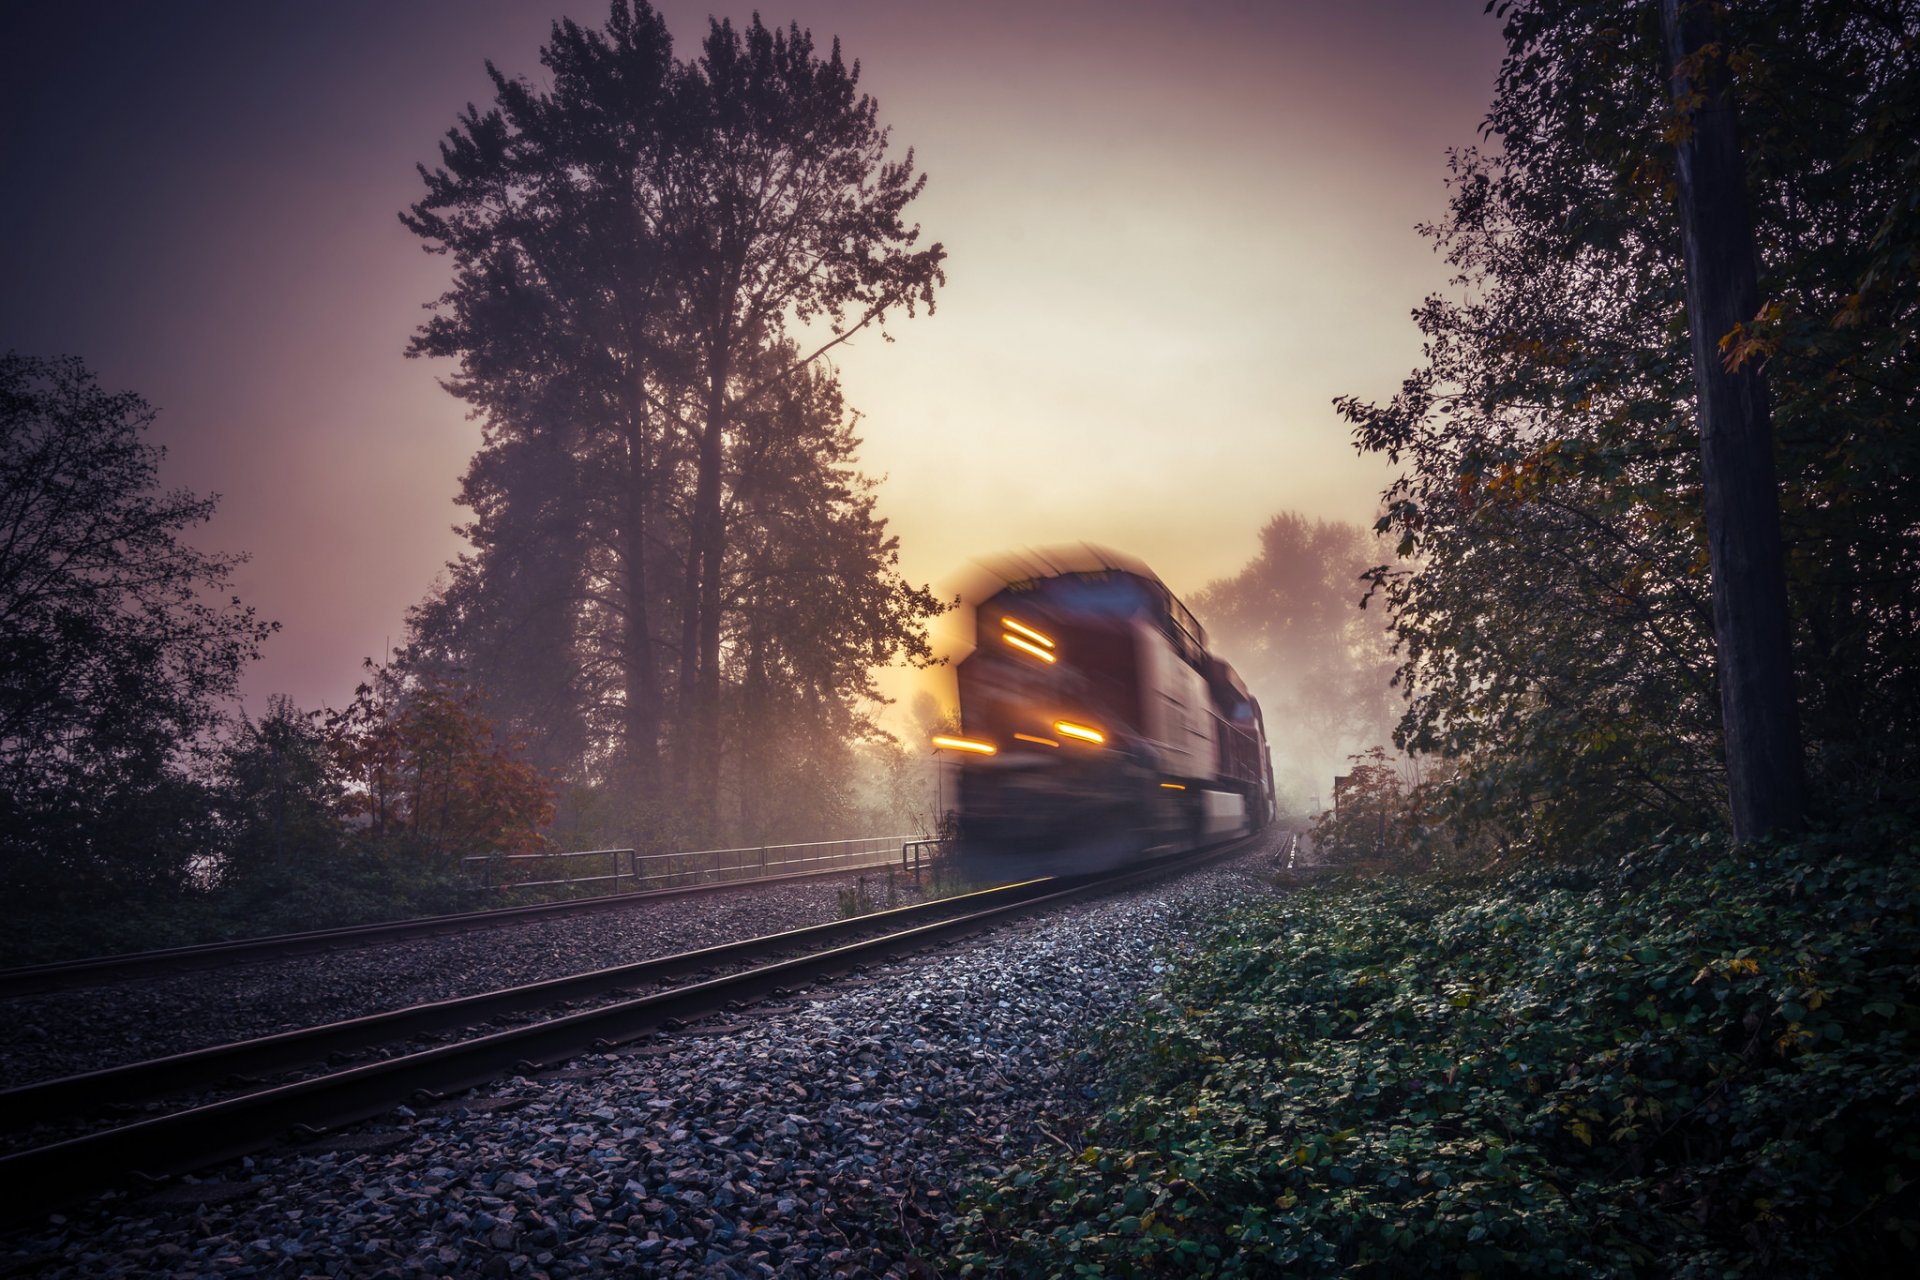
(1027, 646)
(1045, 642)
(1027, 640)
(1086, 733)
(965, 744)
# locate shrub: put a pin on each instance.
(1695, 1063)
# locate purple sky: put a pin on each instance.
(1175, 233)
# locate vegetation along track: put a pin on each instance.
(97, 970)
(48, 1175)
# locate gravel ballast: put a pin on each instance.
(824, 1136)
(61, 1033)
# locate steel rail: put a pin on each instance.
(66, 974)
(45, 1177)
(42, 1100)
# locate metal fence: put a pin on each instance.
(625, 870)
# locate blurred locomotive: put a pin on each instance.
(1095, 726)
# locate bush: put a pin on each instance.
(352, 885)
(1692, 1064)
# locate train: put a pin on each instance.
(1096, 725)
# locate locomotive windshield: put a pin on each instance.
(1113, 594)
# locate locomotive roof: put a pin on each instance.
(1036, 564)
(1056, 562)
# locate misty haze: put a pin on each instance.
(879, 639)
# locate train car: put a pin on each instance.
(1094, 720)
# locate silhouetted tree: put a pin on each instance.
(1321, 667)
(786, 212)
(277, 797)
(637, 249)
(1557, 627)
(116, 653)
(807, 615)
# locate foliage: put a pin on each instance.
(1372, 813)
(114, 658)
(1321, 669)
(306, 821)
(675, 563)
(1555, 630)
(1694, 1063)
(279, 797)
(345, 883)
(427, 773)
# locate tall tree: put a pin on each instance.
(807, 617)
(549, 206)
(788, 214)
(650, 256)
(117, 652)
(1750, 623)
(1557, 625)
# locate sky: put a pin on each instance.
(1175, 232)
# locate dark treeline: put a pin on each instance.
(136, 809)
(118, 640)
(1556, 626)
(678, 589)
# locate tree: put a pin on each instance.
(788, 213)
(115, 653)
(278, 796)
(1371, 819)
(427, 772)
(1321, 667)
(1557, 627)
(639, 249)
(808, 618)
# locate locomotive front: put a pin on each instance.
(1087, 719)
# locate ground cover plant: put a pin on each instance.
(1694, 1063)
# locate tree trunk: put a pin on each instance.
(1750, 615)
(700, 630)
(642, 727)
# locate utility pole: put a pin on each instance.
(1751, 627)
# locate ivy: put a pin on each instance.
(1693, 1063)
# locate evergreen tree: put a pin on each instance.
(651, 260)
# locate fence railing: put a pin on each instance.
(622, 870)
(915, 853)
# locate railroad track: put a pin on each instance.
(44, 1177)
(66, 975)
